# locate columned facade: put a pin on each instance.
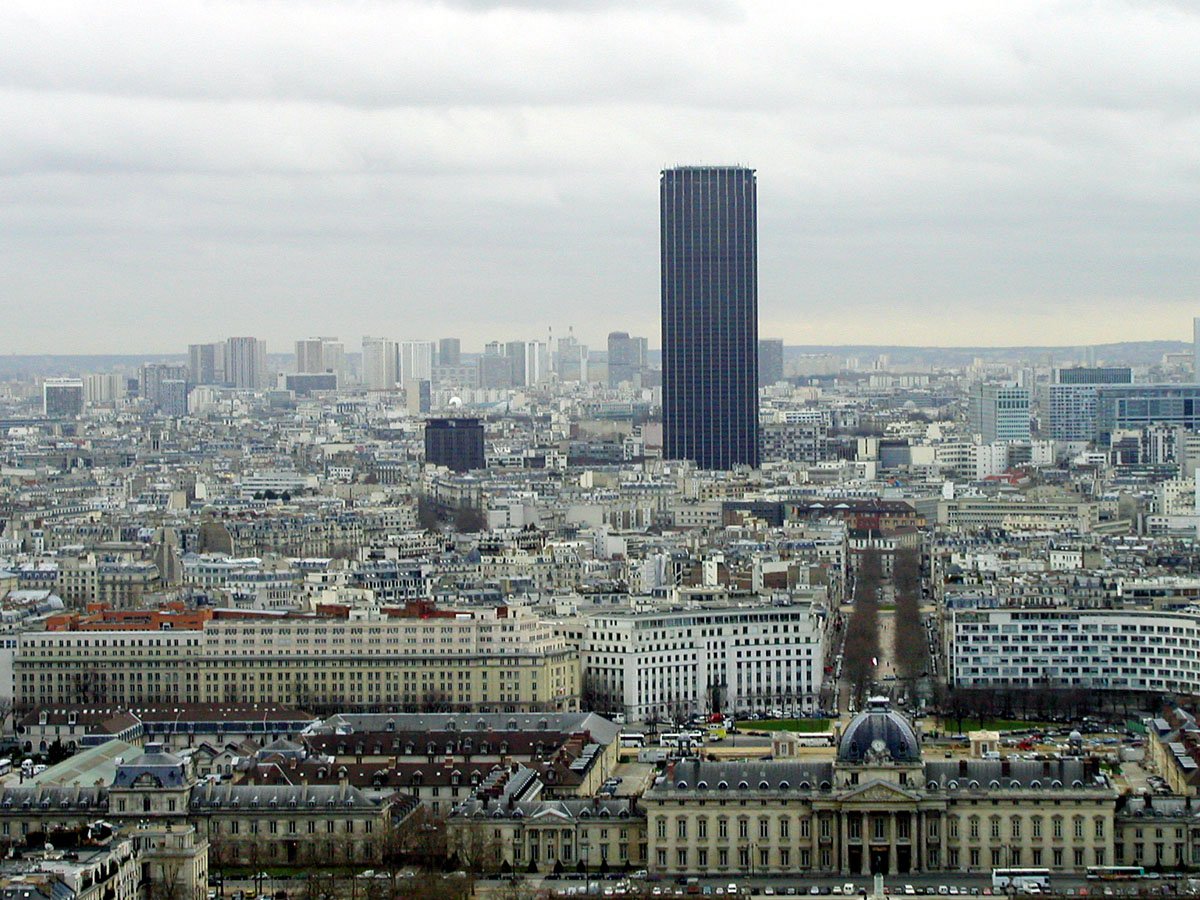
(879, 809)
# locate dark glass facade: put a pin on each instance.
(456, 444)
(710, 315)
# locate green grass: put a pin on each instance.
(971, 723)
(801, 725)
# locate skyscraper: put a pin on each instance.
(416, 360)
(246, 363)
(206, 363)
(378, 364)
(310, 356)
(626, 357)
(1196, 349)
(770, 361)
(449, 352)
(710, 315)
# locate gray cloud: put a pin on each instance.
(942, 171)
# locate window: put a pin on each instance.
(953, 828)
(743, 828)
(1058, 830)
(702, 829)
(785, 828)
(681, 829)
(702, 858)
(723, 828)
(1099, 828)
(1078, 825)
(660, 828)
(974, 823)
(764, 829)
(974, 856)
(744, 858)
(994, 828)
(1037, 826)
(681, 858)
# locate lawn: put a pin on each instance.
(801, 725)
(971, 723)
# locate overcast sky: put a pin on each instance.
(928, 172)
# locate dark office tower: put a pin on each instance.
(456, 444)
(449, 352)
(710, 315)
(770, 361)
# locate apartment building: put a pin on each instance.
(717, 657)
(1097, 649)
(503, 659)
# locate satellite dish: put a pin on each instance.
(455, 402)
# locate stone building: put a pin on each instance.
(879, 807)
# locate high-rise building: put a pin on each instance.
(62, 396)
(449, 352)
(571, 360)
(418, 396)
(1121, 407)
(710, 315)
(1196, 348)
(495, 368)
(999, 412)
(378, 364)
(206, 363)
(152, 384)
(626, 357)
(1073, 400)
(105, 387)
(310, 356)
(770, 361)
(454, 443)
(416, 361)
(173, 398)
(246, 363)
(333, 357)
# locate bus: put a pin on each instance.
(680, 739)
(632, 739)
(1115, 873)
(1020, 879)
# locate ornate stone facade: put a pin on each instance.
(879, 807)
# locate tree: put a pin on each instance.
(469, 520)
(427, 514)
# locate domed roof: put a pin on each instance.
(879, 732)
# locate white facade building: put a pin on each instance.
(669, 663)
(1127, 650)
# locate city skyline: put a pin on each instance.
(947, 174)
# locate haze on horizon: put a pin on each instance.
(932, 173)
